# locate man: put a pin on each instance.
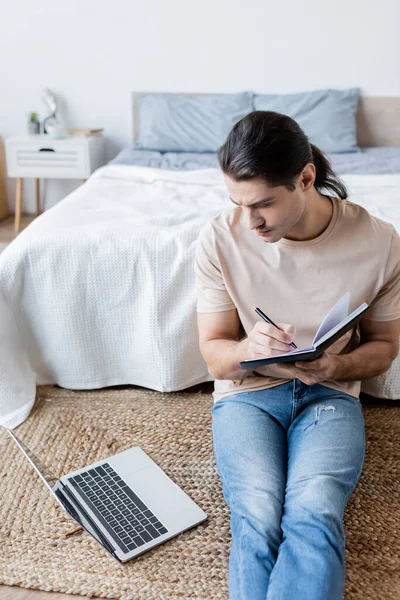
(289, 439)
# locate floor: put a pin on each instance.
(8, 233)
(16, 593)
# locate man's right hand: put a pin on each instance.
(266, 340)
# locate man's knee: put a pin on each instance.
(319, 501)
(260, 508)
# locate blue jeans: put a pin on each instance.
(289, 458)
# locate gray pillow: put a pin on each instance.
(327, 117)
(198, 123)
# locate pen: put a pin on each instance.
(264, 316)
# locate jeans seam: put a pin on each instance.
(357, 478)
(293, 402)
(240, 535)
(294, 408)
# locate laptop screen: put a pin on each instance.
(41, 469)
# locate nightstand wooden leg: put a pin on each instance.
(18, 204)
(37, 197)
(83, 180)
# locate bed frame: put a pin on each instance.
(378, 119)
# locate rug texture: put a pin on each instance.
(71, 429)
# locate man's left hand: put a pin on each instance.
(315, 371)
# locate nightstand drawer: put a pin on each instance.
(47, 159)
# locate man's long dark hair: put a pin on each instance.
(269, 145)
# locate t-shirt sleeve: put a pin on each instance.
(386, 304)
(212, 295)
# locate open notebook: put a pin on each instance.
(336, 323)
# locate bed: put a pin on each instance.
(99, 290)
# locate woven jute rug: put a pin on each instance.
(71, 429)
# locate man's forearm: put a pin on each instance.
(368, 360)
(223, 358)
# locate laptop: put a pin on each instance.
(126, 502)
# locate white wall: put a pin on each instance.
(93, 53)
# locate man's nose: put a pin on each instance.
(254, 221)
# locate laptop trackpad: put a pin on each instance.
(160, 493)
(130, 461)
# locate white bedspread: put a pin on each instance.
(100, 289)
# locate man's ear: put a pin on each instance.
(307, 177)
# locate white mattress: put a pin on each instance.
(100, 289)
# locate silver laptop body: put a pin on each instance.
(126, 502)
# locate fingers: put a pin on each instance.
(262, 351)
(271, 346)
(310, 365)
(274, 338)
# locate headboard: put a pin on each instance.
(378, 119)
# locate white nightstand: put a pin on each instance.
(42, 157)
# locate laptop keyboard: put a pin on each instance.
(126, 518)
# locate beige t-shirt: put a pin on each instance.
(298, 282)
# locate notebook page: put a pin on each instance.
(306, 349)
(291, 353)
(337, 314)
(341, 324)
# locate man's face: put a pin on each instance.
(272, 212)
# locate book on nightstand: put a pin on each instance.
(85, 132)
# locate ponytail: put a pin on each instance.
(325, 177)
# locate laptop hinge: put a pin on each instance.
(73, 511)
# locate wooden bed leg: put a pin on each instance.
(18, 204)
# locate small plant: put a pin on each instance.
(33, 124)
